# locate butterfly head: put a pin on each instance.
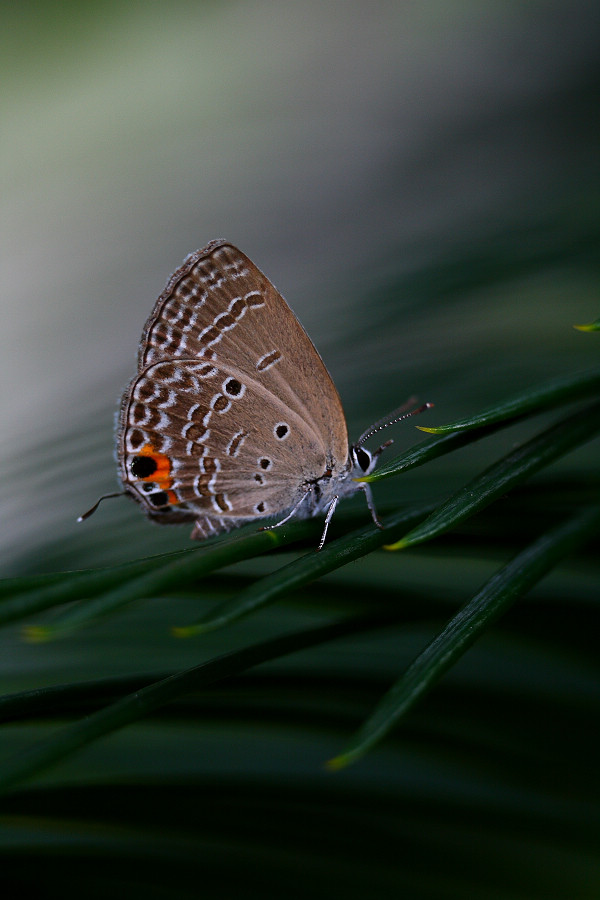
(362, 460)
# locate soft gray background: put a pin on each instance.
(419, 179)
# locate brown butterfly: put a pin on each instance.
(232, 416)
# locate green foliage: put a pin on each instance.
(221, 710)
(411, 713)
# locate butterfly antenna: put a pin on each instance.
(396, 416)
(90, 512)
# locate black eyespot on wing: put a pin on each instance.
(143, 466)
(160, 498)
(233, 387)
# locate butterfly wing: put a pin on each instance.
(232, 412)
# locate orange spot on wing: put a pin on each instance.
(162, 474)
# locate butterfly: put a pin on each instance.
(232, 416)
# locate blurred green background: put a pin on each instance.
(421, 182)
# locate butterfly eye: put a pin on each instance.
(363, 458)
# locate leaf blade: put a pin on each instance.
(503, 589)
(505, 474)
(553, 393)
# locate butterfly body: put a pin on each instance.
(232, 415)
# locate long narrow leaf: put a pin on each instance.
(553, 393)
(589, 326)
(495, 597)
(302, 571)
(506, 474)
(23, 596)
(38, 757)
(429, 450)
(466, 431)
(176, 573)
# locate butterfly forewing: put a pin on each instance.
(232, 412)
(218, 305)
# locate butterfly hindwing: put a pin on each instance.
(213, 442)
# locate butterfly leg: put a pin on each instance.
(289, 516)
(364, 487)
(328, 519)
